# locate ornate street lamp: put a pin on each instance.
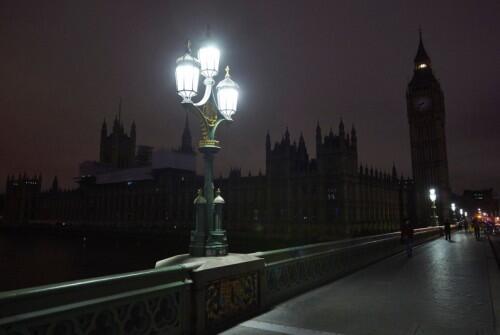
(208, 238)
(433, 197)
(453, 216)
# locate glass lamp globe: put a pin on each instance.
(209, 57)
(187, 74)
(432, 194)
(227, 96)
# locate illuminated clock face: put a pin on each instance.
(422, 103)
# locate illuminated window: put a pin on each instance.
(422, 66)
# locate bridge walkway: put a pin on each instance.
(445, 288)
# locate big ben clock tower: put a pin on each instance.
(426, 117)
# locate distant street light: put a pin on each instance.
(453, 216)
(208, 238)
(433, 197)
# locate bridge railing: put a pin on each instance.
(198, 297)
(151, 301)
(291, 271)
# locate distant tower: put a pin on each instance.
(268, 151)
(132, 145)
(117, 149)
(55, 185)
(103, 148)
(186, 144)
(354, 138)
(426, 118)
(318, 139)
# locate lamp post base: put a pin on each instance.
(197, 244)
(216, 243)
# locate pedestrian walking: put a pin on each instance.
(475, 225)
(447, 230)
(407, 237)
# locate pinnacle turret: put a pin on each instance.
(341, 128)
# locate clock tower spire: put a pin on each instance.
(426, 118)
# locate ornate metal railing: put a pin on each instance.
(202, 297)
(144, 302)
(291, 271)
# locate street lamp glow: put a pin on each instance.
(209, 57)
(187, 74)
(461, 211)
(208, 238)
(453, 207)
(465, 213)
(227, 96)
(432, 194)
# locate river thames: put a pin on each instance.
(33, 258)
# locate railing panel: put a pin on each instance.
(163, 309)
(290, 276)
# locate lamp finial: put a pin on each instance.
(227, 71)
(188, 46)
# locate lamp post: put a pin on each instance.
(432, 197)
(208, 238)
(453, 216)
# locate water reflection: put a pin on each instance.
(32, 259)
(38, 259)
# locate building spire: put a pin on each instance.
(422, 59)
(120, 111)
(268, 141)
(341, 128)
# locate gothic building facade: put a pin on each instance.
(117, 149)
(332, 191)
(329, 189)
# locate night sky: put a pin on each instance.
(65, 64)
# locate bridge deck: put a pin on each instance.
(446, 288)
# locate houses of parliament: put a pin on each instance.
(138, 187)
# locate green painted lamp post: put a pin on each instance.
(434, 217)
(208, 238)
